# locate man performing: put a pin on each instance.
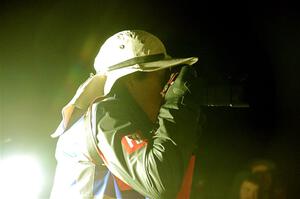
(131, 129)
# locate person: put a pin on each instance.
(131, 129)
(258, 180)
(268, 174)
(245, 186)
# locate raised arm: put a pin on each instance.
(153, 165)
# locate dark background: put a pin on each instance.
(47, 49)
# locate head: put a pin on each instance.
(140, 60)
(132, 51)
(246, 186)
(145, 88)
(264, 170)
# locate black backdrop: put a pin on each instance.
(48, 47)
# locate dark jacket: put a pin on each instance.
(151, 158)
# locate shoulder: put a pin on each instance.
(114, 112)
(113, 106)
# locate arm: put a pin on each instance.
(156, 169)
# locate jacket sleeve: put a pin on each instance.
(157, 167)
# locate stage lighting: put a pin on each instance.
(20, 177)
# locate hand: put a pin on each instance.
(182, 84)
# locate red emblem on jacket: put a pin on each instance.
(132, 144)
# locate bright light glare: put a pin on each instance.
(20, 177)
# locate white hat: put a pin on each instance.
(130, 51)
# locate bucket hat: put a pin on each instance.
(130, 51)
(123, 53)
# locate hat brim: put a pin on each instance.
(114, 75)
